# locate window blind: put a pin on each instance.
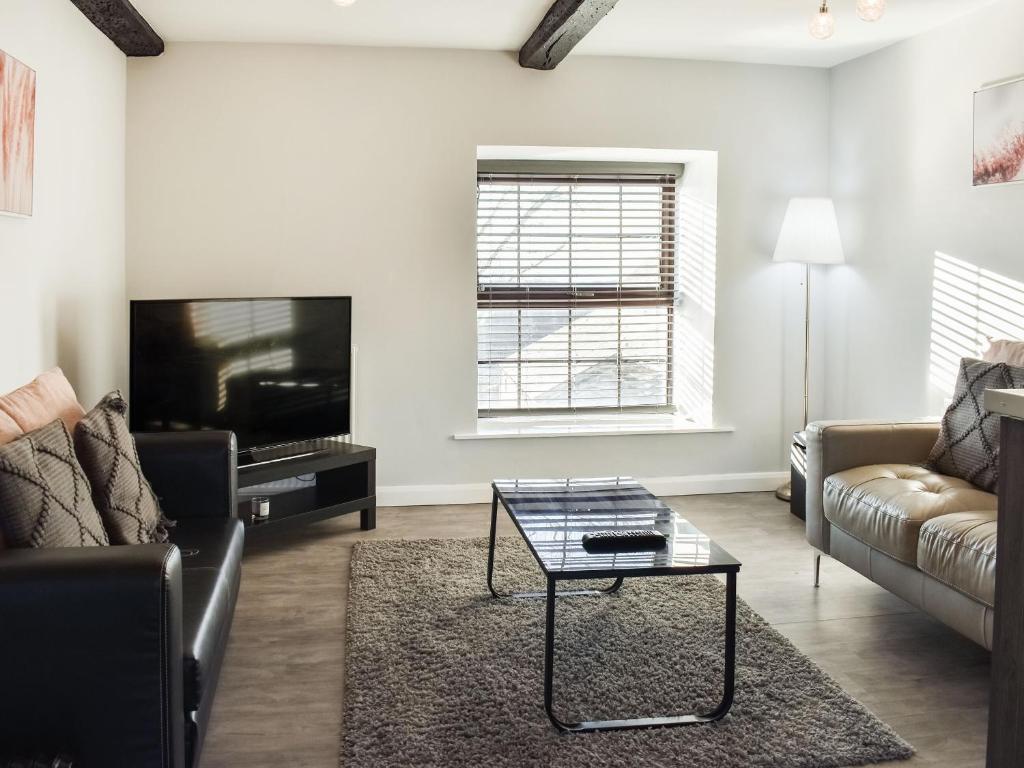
(575, 291)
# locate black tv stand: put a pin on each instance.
(299, 449)
(309, 482)
(249, 460)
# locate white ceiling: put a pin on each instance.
(762, 31)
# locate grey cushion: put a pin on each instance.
(126, 502)
(45, 498)
(968, 444)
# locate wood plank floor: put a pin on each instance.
(280, 696)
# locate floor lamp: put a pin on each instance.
(810, 235)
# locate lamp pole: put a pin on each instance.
(807, 345)
(785, 491)
(809, 235)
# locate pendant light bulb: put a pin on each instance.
(823, 25)
(344, 3)
(870, 10)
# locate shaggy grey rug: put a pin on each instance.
(442, 674)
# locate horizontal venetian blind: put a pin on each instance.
(575, 291)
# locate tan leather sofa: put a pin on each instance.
(926, 537)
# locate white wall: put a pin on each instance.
(62, 271)
(274, 169)
(901, 124)
(281, 170)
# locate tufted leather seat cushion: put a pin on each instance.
(960, 551)
(885, 505)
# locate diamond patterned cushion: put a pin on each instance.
(968, 444)
(45, 499)
(127, 504)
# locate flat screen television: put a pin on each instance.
(274, 371)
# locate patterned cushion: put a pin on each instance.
(45, 499)
(968, 444)
(127, 504)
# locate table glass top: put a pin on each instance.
(554, 514)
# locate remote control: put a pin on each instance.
(612, 541)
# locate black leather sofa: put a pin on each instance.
(110, 655)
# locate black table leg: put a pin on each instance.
(490, 546)
(549, 649)
(490, 568)
(368, 518)
(643, 722)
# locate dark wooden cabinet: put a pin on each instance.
(1006, 713)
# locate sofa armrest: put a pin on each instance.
(92, 654)
(833, 446)
(194, 474)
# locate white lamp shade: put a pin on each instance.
(810, 233)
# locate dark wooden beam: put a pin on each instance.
(118, 20)
(565, 24)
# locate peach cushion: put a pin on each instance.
(48, 397)
(9, 429)
(1005, 351)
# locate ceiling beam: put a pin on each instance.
(118, 20)
(565, 24)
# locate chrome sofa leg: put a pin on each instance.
(817, 569)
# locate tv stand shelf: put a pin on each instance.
(327, 479)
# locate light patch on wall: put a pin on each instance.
(695, 323)
(970, 307)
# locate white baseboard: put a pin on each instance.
(695, 485)
(416, 495)
(480, 493)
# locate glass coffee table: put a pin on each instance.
(553, 515)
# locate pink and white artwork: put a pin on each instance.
(999, 134)
(17, 135)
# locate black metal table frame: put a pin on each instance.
(550, 596)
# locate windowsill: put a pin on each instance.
(518, 427)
